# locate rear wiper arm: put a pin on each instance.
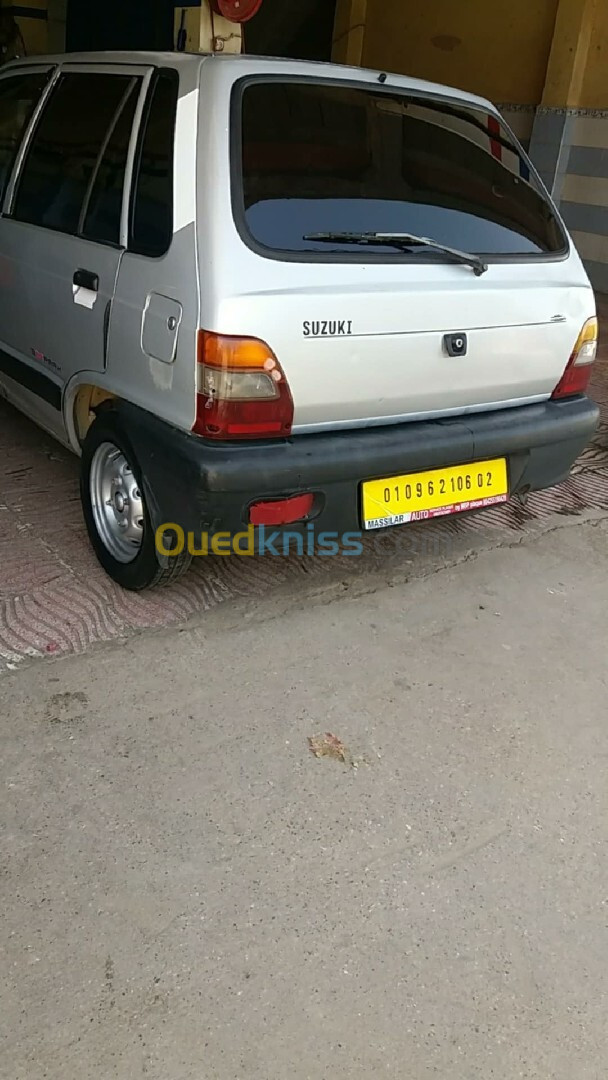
(400, 240)
(477, 264)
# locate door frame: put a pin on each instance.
(143, 71)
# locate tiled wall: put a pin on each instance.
(520, 119)
(570, 150)
(584, 194)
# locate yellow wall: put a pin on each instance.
(34, 35)
(497, 48)
(206, 31)
(33, 31)
(594, 94)
(350, 28)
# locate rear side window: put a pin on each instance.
(102, 209)
(319, 158)
(19, 96)
(73, 176)
(152, 208)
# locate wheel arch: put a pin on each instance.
(81, 402)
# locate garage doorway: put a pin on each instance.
(119, 24)
(301, 31)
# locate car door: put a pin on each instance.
(21, 92)
(63, 233)
(155, 315)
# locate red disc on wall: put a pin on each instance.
(238, 11)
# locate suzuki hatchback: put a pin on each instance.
(254, 292)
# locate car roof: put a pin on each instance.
(114, 56)
(262, 65)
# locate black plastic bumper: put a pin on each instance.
(203, 485)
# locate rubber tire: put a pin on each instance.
(145, 571)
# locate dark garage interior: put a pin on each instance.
(301, 29)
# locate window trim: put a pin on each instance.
(360, 255)
(86, 202)
(26, 69)
(143, 72)
(158, 74)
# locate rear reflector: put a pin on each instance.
(242, 392)
(281, 511)
(575, 379)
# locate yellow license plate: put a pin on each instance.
(419, 496)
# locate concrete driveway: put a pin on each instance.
(190, 894)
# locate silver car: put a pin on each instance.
(258, 294)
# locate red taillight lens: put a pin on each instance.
(281, 511)
(242, 392)
(575, 379)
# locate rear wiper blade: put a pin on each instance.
(400, 240)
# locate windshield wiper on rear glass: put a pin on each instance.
(400, 241)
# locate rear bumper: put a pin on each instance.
(209, 486)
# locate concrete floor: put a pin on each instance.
(189, 894)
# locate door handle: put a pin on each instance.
(86, 279)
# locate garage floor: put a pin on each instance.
(54, 599)
(188, 893)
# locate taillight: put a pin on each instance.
(575, 379)
(242, 392)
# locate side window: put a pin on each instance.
(101, 213)
(76, 160)
(152, 209)
(19, 96)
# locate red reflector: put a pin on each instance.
(281, 511)
(253, 429)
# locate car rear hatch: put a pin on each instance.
(370, 328)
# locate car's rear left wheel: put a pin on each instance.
(115, 512)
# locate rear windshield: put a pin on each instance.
(321, 158)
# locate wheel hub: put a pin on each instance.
(117, 504)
